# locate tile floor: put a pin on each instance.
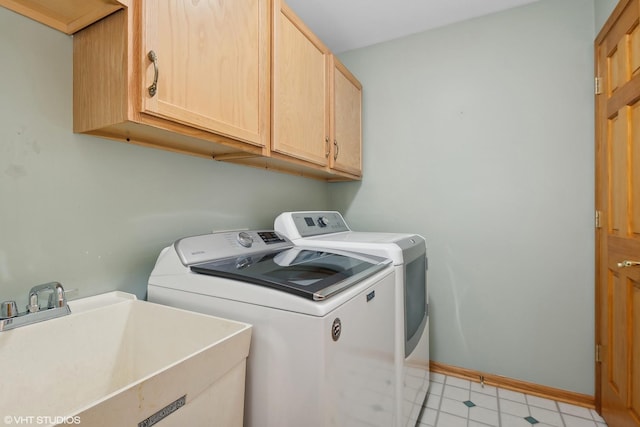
(453, 402)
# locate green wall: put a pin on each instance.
(479, 135)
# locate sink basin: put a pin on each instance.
(118, 361)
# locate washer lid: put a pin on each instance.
(307, 272)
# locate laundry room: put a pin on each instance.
(477, 134)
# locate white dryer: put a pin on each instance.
(328, 229)
(322, 347)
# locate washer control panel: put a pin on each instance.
(228, 244)
(316, 223)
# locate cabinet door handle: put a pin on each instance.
(328, 147)
(628, 264)
(336, 149)
(154, 86)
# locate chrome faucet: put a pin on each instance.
(57, 306)
(56, 298)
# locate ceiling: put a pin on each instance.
(350, 24)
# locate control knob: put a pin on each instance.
(245, 239)
(323, 221)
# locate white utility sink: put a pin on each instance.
(117, 361)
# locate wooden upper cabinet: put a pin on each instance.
(209, 60)
(212, 63)
(241, 81)
(346, 120)
(67, 16)
(300, 125)
(317, 102)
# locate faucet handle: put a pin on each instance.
(8, 309)
(33, 305)
(57, 298)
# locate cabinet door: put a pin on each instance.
(300, 90)
(346, 120)
(212, 65)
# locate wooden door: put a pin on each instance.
(617, 50)
(300, 89)
(346, 120)
(213, 62)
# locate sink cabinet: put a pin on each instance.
(192, 77)
(67, 16)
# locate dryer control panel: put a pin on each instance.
(317, 223)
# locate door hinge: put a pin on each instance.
(598, 353)
(598, 219)
(598, 85)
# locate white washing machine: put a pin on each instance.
(328, 229)
(322, 347)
